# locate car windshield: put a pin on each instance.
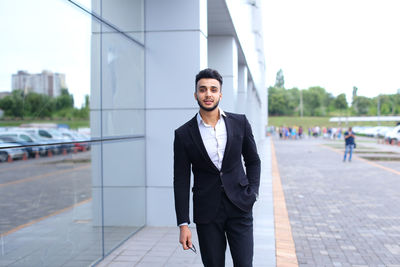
(35, 136)
(55, 133)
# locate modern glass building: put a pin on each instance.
(75, 200)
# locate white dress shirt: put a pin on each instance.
(214, 138)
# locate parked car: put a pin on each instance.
(67, 141)
(383, 130)
(393, 135)
(81, 139)
(53, 136)
(32, 138)
(371, 131)
(10, 150)
(27, 146)
(360, 130)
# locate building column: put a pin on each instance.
(176, 50)
(241, 99)
(223, 56)
(249, 100)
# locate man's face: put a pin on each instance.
(208, 93)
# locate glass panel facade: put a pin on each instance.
(72, 130)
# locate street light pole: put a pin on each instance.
(301, 103)
(379, 109)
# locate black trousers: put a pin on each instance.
(231, 224)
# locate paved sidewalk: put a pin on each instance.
(159, 246)
(341, 213)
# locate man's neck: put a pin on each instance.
(210, 117)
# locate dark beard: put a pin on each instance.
(208, 109)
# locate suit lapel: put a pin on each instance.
(195, 132)
(229, 132)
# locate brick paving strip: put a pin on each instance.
(285, 248)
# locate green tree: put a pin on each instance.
(341, 102)
(396, 104)
(65, 100)
(13, 105)
(280, 80)
(87, 102)
(293, 101)
(315, 101)
(39, 105)
(363, 105)
(276, 101)
(7, 105)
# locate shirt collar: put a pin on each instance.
(200, 119)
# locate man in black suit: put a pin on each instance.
(212, 144)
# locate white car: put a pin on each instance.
(383, 130)
(44, 143)
(53, 136)
(393, 135)
(12, 150)
(371, 131)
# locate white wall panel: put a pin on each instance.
(117, 122)
(124, 206)
(124, 163)
(160, 128)
(176, 15)
(223, 56)
(173, 60)
(160, 206)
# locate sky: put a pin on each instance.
(46, 35)
(334, 44)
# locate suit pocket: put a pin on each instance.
(196, 191)
(244, 182)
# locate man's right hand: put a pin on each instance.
(185, 237)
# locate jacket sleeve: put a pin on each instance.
(251, 159)
(181, 181)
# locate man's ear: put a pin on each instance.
(195, 95)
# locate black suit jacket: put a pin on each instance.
(190, 153)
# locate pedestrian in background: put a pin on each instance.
(293, 132)
(349, 143)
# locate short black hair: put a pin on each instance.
(208, 74)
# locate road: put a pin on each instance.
(37, 188)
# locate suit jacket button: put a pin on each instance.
(221, 173)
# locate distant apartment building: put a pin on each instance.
(46, 82)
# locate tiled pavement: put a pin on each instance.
(156, 246)
(341, 213)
